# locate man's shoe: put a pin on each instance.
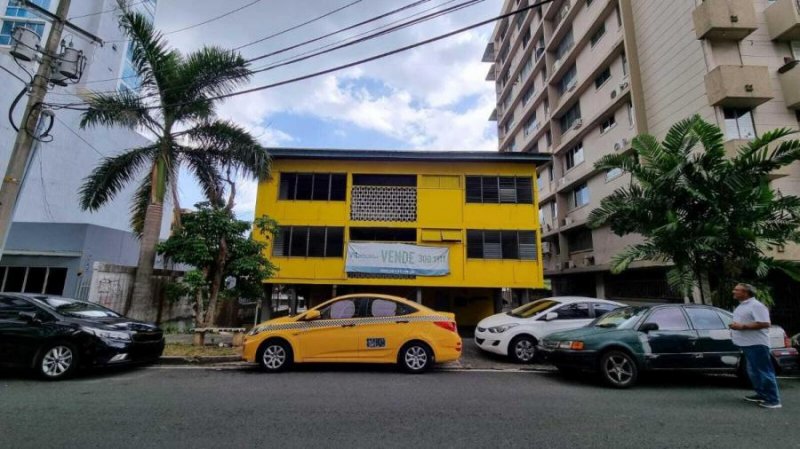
(754, 398)
(769, 404)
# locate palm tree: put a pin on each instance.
(710, 216)
(176, 106)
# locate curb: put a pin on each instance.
(199, 360)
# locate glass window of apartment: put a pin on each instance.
(568, 81)
(624, 64)
(531, 125)
(601, 79)
(598, 34)
(580, 196)
(739, 123)
(499, 189)
(526, 38)
(630, 114)
(490, 244)
(540, 182)
(608, 124)
(546, 107)
(526, 97)
(565, 45)
(312, 186)
(570, 117)
(309, 241)
(548, 136)
(31, 21)
(554, 210)
(574, 156)
(519, 20)
(614, 173)
(526, 70)
(579, 240)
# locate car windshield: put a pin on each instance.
(531, 309)
(621, 318)
(75, 308)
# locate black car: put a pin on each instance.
(55, 336)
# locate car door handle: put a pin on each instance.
(402, 321)
(349, 325)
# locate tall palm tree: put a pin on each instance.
(711, 216)
(175, 105)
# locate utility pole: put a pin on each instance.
(21, 153)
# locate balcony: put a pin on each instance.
(488, 53)
(783, 20)
(737, 86)
(724, 19)
(789, 76)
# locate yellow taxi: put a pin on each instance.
(359, 328)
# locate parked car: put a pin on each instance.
(627, 341)
(55, 336)
(360, 328)
(516, 333)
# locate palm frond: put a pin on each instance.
(212, 71)
(204, 168)
(141, 199)
(232, 146)
(112, 175)
(122, 108)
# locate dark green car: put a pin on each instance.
(664, 337)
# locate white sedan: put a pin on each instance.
(516, 333)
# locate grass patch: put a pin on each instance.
(181, 350)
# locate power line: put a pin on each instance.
(292, 28)
(346, 66)
(80, 137)
(106, 11)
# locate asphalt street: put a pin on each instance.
(376, 407)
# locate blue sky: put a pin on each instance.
(431, 98)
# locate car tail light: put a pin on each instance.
(447, 325)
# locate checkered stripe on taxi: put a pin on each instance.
(347, 322)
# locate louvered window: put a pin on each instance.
(309, 241)
(501, 245)
(312, 186)
(499, 189)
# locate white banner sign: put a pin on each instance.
(397, 258)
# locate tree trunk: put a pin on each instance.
(140, 306)
(198, 300)
(216, 282)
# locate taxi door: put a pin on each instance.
(385, 330)
(333, 337)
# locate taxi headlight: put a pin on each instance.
(503, 328)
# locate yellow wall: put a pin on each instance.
(441, 206)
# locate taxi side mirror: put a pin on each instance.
(311, 315)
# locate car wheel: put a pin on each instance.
(522, 349)
(275, 356)
(618, 369)
(415, 357)
(57, 361)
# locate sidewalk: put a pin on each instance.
(471, 357)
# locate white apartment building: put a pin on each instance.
(53, 243)
(580, 78)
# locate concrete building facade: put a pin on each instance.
(579, 79)
(53, 243)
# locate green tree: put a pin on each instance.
(711, 217)
(175, 106)
(198, 243)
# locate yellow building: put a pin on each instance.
(451, 230)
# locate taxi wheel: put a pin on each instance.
(415, 357)
(522, 349)
(275, 356)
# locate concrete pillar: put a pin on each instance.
(333, 293)
(419, 295)
(600, 285)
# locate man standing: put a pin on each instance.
(750, 331)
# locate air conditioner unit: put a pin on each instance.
(588, 260)
(623, 85)
(566, 221)
(545, 247)
(569, 264)
(562, 181)
(577, 124)
(556, 65)
(617, 146)
(621, 145)
(547, 227)
(613, 93)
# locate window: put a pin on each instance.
(32, 22)
(383, 234)
(619, 15)
(554, 210)
(565, 45)
(526, 70)
(42, 280)
(11, 307)
(570, 117)
(607, 124)
(548, 136)
(546, 107)
(568, 81)
(624, 64)
(312, 186)
(577, 311)
(539, 181)
(669, 319)
(531, 125)
(499, 189)
(739, 123)
(526, 97)
(519, 245)
(385, 308)
(526, 38)
(580, 196)
(613, 174)
(574, 156)
(601, 308)
(579, 240)
(309, 241)
(598, 34)
(341, 309)
(601, 79)
(704, 319)
(630, 114)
